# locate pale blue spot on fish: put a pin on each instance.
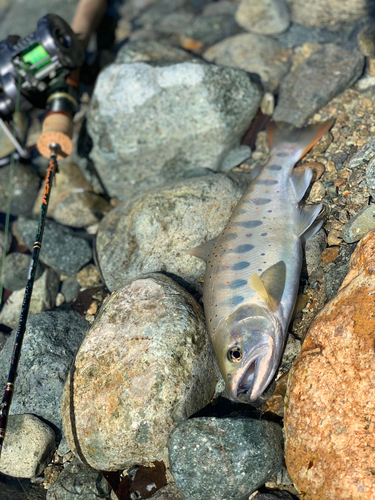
(243, 248)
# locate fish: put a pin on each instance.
(253, 268)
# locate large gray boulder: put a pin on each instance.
(153, 122)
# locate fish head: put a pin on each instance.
(248, 346)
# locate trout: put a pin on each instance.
(253, 267)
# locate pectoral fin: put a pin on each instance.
(256, 283)
(204, 250)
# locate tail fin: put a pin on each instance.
(305, 138)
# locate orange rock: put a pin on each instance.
(330, 414)
(329, 254)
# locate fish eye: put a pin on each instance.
(235, 354)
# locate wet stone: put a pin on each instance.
(61, 249)
(214, 458)
(16, 271)
(28, 446)
(370, 176)
(275, 495)
(359, 225)
(25, 189)
(268, 17)
(168, 492)
(235, 158)
(335, 272)
(297, 35)
(210, 29)
(49, 346)
(302, 92)
(363, 156)
(151, 50)
(366, 40)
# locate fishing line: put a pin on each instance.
(10, 190)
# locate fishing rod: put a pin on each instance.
(37, 71)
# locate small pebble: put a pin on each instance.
(317, 193)
(89, 276)
(267, 17)
(359, 225)
(334, 237)
(329, 254)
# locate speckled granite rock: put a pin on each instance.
(206, 30)
(61, 249)
(268, 17)
(79, 481)
(50, 343)
(16, 270)
(25, 188)
(302, 92)
(224, 458)
(359, 225)
(275, 495)
(331, 15)
(151, 50)
(43, 298)
(81, 209)
(329, 417)
(153, 232)
(168, 492)
(370, 174)
(253, 53)
(146, 365)
(152, 123)
(28, 446)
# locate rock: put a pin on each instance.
(151, 50)
(329, 254)
(81, 209)
(297, 35)
(210, 29)
(267, 17)
(16, 271)
(151, 124)
(78, 480)
(61, 249)
(20, 489)
(366, 40)
(168, 492)
(2, 243)
(175, 23)
(302, 92)
(253, 53)
(359, 225)
(363, 156)
(25, 187)
(329, 419)
(28, 446)
(227, 458)
(236, 157)
(43, 298)
(49, 346)
(275, 495)
(148, 347)
(336, 272)
(314, 247)
(317, 193)
(153, 232)
(332, 15)
(370, 176)
(366, 82)
(70, 288)
(89, 277)
(12, 23)
(69, 180)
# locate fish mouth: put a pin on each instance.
(248, 374)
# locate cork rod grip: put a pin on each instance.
(57, 128)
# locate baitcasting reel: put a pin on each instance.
(37, 69)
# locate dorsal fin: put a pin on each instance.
(305, 138)
(204, 250)
(256, 283)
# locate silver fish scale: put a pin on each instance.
(259, 234)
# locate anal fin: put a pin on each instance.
(304, 218)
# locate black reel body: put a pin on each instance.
(40, 61)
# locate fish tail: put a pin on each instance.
(305, 138)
